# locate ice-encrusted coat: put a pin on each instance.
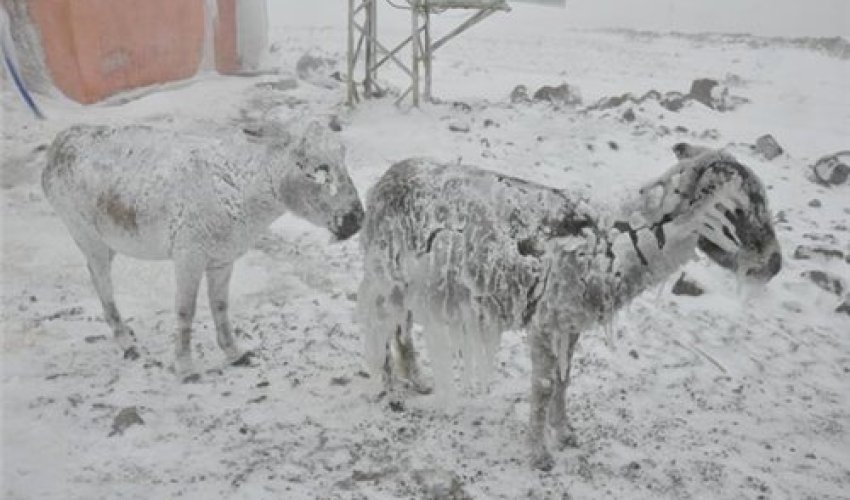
(198, 200)
(468, 253)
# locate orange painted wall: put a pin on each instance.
(96, 48)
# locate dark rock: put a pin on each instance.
(767, 146)
(613, 102)
(686, 285)
(459, 127)
(490, 123)
(673, 101)
(340, 381)
(440, 484)
(833, 169)
(562, 95)
(629, 115)
(613, 145)
(825, 237)
(152, 363)
(826, 281)
(519, 95)
(279, 85)
(710, 93)
(710, 134)
(320, 71)
(815, 203)
(359, 475)
(334, 124)
(701, 91)
(806, 252)
(462, 106)
(733, 80)
(125, 419)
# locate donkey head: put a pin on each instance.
(729, 208)
(318, 187)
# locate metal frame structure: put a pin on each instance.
(363, 26)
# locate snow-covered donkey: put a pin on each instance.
(468, 253)
(200, 201)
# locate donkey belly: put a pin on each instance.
(146, 245)
(126, 232)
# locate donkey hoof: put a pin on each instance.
(396, 405)
(568, 440)
(192, 378)
(131, 353)
(419, 387)
(243, 360)
(543, 461)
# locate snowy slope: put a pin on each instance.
(735, 394)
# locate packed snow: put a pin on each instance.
(735, 393)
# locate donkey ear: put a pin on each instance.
(684, 150)
(681, 150)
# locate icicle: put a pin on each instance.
(740, 281)
(608, 327)
(441, 350)
(563, 354)
(659, 290)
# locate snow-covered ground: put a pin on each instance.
(734, 394)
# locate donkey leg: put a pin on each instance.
(187, 272)
(542, 370)
(564, 432)
(99, 259)
(407, 356)
(218, 285)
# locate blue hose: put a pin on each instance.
(21, 88)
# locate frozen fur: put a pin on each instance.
(199, 201)
(468, 254)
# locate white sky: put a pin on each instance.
(761, 17)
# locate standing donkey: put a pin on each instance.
(468, 254)
(198, 201)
